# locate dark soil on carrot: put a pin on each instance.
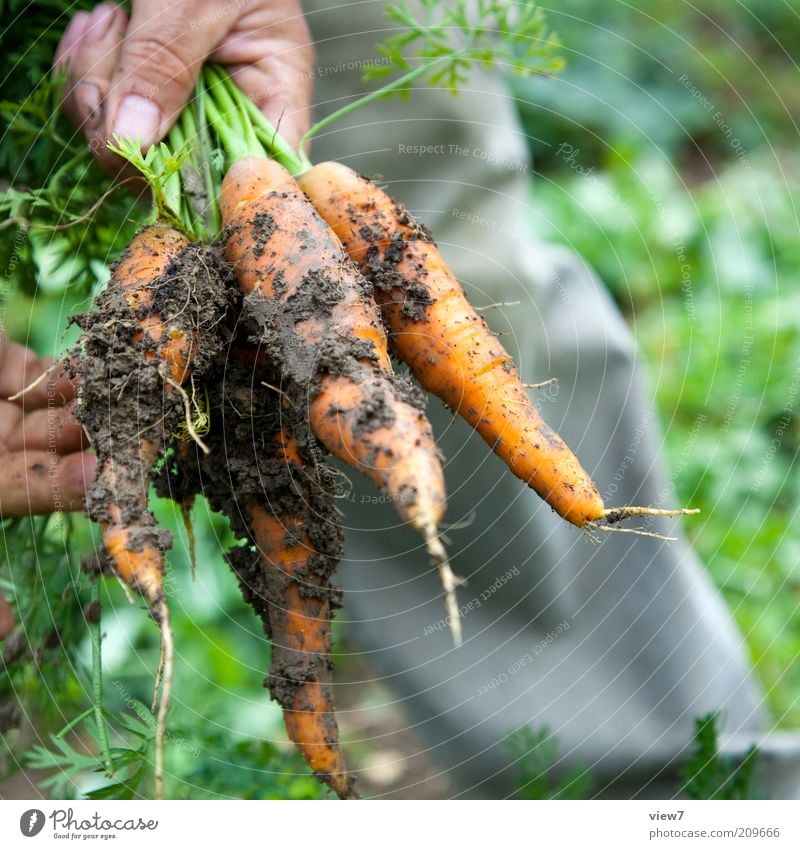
(387, 250)
(247, 468)
(123, 396)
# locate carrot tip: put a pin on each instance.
(449, 581)
(617, 514)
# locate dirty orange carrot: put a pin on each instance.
(447, 345)
(277, 495)
(300, 599)
(118, 497)
(317, 320)
(140, 342)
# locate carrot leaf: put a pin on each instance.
(443, 42)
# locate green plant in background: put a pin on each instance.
(535, 754)
(709, 775)
(682, 194)
(670, 75)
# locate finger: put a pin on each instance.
(160, 59)
(75, 28)
(10, 421)
(91, 65)
(51, 429)
(33, 482)
(20, 368)
(270, 52)
(6, 617)
(284, 96)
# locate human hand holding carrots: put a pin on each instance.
(324, 329)
(131, 76)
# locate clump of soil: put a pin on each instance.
(125, 405)
(247, 469)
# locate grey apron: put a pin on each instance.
(615, 647)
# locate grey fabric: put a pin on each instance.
(615, 646)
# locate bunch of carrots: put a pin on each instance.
(260, 310)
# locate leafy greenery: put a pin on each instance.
(709, 775)
(449, 38)
(63, 217)
(535, 753)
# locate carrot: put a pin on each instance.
(130, 538)
(278, 499)
(141, 340)
(298, 552)
(447, 345)
(316, 318)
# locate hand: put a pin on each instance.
(43, 466)
(133, 77)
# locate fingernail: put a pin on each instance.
(99, 21)
(137, 118)
(89, 104)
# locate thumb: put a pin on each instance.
(160, 59)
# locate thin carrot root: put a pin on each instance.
(641, 532)
(449, 582)
(186, 515)
(496, 305)
(553, 381)
(17, 395)
(617, 514)
(161, 614)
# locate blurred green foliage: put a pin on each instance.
(667, 73)
(707, 774)
(703, 261)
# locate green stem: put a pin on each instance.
(77, 721)
(228, 119)
(227, 136)
(213, 217)
(189, 169)
(97, 681)
(394, 85)
(268, 135)
(173, 190)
